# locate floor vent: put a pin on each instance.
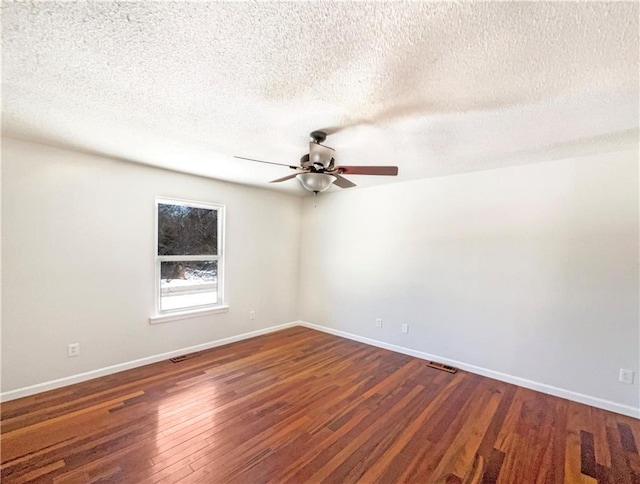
(178, 359)
(443, 367)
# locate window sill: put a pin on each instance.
(166, 318)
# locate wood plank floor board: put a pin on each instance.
(301, 406)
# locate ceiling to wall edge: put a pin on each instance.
(300, 192)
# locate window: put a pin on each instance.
(189, 258)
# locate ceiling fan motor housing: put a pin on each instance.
(320, 154)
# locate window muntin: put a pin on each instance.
(188, 256)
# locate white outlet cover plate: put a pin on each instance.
(626, 376)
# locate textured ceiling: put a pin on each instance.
(435, 88)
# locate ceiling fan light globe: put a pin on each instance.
(316, 182)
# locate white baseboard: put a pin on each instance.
(89, 375)
(496, 375)
(533, 385)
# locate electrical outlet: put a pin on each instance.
(73, 350)
(405, 328)
(252, 315)
(379, 323)
(626, 376)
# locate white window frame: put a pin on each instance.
(167, 315)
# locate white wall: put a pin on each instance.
(78, 261)
(530, 271)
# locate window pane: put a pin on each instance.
(188, 284)
(187, 230)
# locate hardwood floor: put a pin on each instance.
(303, 406)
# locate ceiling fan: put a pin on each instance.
(317, 170)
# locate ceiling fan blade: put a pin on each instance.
(342, 182)
(284, 178)
(368, 170)
(267, 162)
(387, 114)
(333, 129)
